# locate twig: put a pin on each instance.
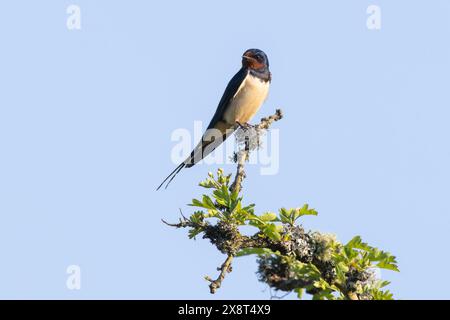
(185, 223)
(267, 122)
(244, 154)
(224, 269)
(240, 173)
(273, 296)
(181, 224)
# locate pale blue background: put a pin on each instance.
(86, 118)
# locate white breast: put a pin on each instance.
(247, 101)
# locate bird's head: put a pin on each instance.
(255, 59)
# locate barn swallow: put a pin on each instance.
(243, 96)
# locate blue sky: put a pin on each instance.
(86, 118)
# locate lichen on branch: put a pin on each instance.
(290, 259)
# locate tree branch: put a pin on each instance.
(243, 155)
(292, 259)
(224, 269)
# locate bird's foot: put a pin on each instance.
(245, 126)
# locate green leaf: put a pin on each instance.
(268, 216)
(217, 194)
(208, 203)
(357, 243)
(284, 216)
(388, 266)
(197, 217)
(249, 251)
(205, 203)
(235, 207)
(194, 232)
(384, 283)
(271, 231)
(291, 215)
(305, 211)
(196, 203)
(250, 208)
(299, 292)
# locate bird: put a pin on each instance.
(243, 96)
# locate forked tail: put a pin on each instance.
(172, 175)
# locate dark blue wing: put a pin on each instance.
(229, 93)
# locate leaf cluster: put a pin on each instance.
(331, 270)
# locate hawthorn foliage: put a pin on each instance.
(290, 258)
